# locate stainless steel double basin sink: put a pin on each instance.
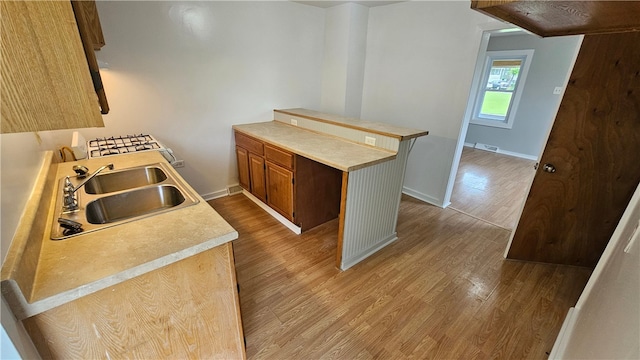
(121, 196)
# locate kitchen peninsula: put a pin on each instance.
(370, 160)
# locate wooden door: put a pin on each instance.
(280, 190)
(256, 165)
(594, 144)
(243, 167)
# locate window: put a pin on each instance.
(500, 88)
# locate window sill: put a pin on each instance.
(492, 123)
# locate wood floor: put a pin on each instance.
(492, 186)
(441, 291)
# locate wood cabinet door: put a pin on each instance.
(256, 172)
(243, 168)
(280, 190)
(44, 82)
(573, 208)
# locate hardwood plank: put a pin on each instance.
(491, 186)
(442, 290)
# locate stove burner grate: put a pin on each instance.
(122, 145)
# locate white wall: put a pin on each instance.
(187, 71)
(418, 70)
(21, 160)
(344, 58)
(551, 64)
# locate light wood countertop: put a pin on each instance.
(400, 133)
(69, 269)
(329, 150)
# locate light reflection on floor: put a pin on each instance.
(474, 181)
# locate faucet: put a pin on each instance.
(70, 202)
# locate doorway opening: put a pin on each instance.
(494, 165)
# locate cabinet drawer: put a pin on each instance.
(250, 144)
(279, 156)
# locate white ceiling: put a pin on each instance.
(330, 3)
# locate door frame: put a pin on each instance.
(488, 31)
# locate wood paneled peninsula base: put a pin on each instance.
(307, 167)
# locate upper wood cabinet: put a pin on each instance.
(556, 18)
(46, 83)
(89, 13)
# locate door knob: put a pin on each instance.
(549, 168)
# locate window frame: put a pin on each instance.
(526, 56)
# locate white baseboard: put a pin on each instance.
(507, 152)
(215, 195)
(423, 197)
(347, 263)
(519, 155)
(291, 226)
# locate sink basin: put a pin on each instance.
(125, 179)
(119, 197)
(133, 203)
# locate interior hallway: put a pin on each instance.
(443, 290)
(491, 186)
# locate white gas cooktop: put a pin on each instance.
(116, 145)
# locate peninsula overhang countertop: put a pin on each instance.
(397, 132)
(326, 149)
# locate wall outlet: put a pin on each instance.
(294, 122)
(178, 163)
(370, 140)
(557, 90)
